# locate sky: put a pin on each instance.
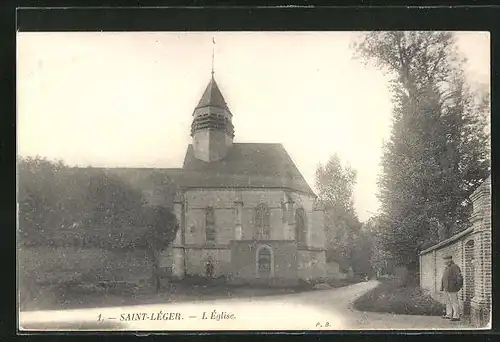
(126, 99)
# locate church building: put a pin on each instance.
(245, 211)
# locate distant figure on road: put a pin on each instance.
(451, 283)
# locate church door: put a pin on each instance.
(264, 262)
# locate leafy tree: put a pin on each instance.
(162, 229)
(41, 197)
(361, 254)
(381, 260)
(88, 207)
(111, 201)
(53, 198)
(335, 185)
(438, 149)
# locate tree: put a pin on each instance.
(41, 197)
(111, 200)
(86, 207)
(361, 254)
(53, 197)
(381, 260)
(438, 151)
(162, 229)
(335, 185)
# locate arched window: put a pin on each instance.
(265, 262)
(300, 226)
(210, 224)
(262, 224)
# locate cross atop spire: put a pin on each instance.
(213, 55)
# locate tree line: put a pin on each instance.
(439, 148)
(437, 154)
(60, 205)
(347, 242)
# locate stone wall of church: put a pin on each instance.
(245, 263)
(311, 264)
(234, 216)
(195, 229)
(196, 261)
(317, 234)
(224, 204)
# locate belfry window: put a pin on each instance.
(300, 226)
(210, 224)
(262, 224)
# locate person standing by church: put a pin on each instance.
(451, 283)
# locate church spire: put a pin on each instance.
(212, 97)
(212, 129)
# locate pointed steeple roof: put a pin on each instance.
(212, 97)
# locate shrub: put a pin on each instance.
(390, 297)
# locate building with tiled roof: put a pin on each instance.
(245, 211)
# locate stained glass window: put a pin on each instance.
(262, 224)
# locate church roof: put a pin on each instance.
(213, 97)
(146, 178)
(159, 185)
(247, 165)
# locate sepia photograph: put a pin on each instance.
(253, 181)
